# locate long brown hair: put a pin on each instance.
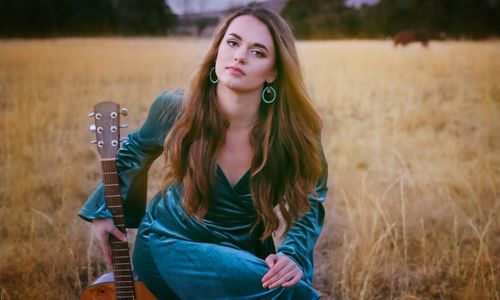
(286, 165)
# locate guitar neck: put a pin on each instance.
(122, 268)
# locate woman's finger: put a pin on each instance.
(271, 260)
(293, 281)
(277, 266)
(118, 234)
(285, 269)
(284, 278)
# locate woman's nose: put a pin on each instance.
(240, 57)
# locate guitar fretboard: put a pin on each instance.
(122, 268)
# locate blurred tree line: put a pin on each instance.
(313, 19)
(321, 19)
(84, 17)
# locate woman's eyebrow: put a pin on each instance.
(255, 44)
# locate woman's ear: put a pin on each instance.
(272, 76)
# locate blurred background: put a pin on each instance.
(409, 95)
(314, 19)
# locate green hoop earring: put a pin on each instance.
(269, 91)
(211, 76)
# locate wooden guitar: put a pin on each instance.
(122, 283)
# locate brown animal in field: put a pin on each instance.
(405, 37)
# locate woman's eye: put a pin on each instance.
(232, 43)
(258, 53)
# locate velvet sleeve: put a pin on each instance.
(300, 239)
(133, 160)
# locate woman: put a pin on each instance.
(241, 143)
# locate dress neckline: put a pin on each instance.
(227, 180)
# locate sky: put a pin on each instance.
(180, 6)
(358, 3)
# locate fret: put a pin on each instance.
(124, 292)
(121, 268)
(114, 206)
(107, 173)
(123, 246)
(123, 273)
(124, 261)
(126, 270)
(127, 297)
(130, 291)
(121, 264)
(113, 195)
(118, 257)
(120, 249)
(112, 184)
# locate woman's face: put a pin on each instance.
(246, 55)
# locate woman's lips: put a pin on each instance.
(236, 70)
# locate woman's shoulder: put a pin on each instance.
(169, 99)
(168, 105)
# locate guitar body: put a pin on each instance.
(104, 289)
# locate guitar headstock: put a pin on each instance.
(107, 127)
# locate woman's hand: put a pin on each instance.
(283, 271)
(102, 228)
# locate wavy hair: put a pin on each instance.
(285, 139)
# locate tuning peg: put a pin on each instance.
(91, 114)
(124, 111)
(92, 128)
(123, 126)
(93, 142)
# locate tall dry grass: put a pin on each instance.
(411, 136)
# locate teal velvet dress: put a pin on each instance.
(178, 257)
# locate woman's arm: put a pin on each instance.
(133, 160)
(300, 240)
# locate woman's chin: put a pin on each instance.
(237, 86)
(234, 86)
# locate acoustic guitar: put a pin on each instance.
(122, 283)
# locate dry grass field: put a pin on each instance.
(412, 138)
